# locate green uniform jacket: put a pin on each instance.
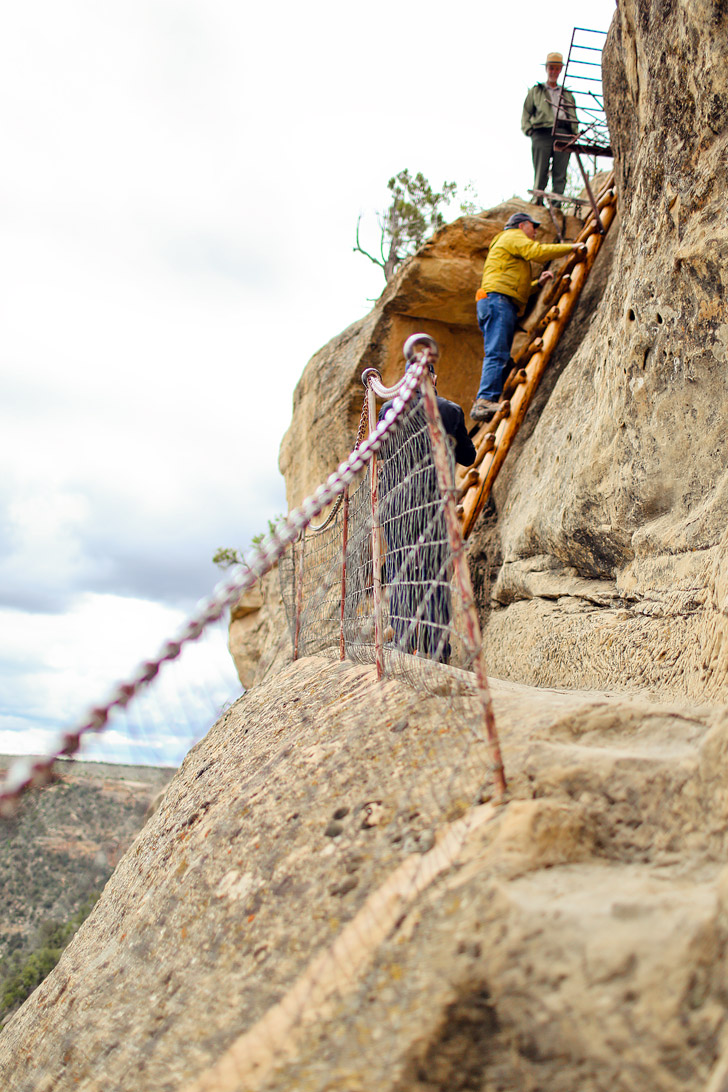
(508, 265)
(538, 113)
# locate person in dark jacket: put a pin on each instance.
(417, 568)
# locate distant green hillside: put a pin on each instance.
(55, 858)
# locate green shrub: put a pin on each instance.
(22, 975)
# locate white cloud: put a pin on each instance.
(85, 652)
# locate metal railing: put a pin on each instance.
(585, 107)
(387, 580)
(583, 79)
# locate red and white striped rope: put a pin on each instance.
(28, 773)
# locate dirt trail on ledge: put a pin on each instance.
(574, 939)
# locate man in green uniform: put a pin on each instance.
(543, 102)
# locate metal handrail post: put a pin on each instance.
(590, 192)
(376, 540)
(299, 594)
(461, 572)
(344, 544)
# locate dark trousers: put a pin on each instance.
(419, 594)
(543, 155)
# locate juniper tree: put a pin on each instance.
(415, 212)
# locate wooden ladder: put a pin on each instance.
(494, 438)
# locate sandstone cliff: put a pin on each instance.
(624, 480)
(604, 562)
(314, 906)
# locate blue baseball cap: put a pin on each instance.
(520, 218)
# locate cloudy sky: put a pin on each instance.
(180, 187)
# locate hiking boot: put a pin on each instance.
(483, 410)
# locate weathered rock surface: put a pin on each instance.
(258, 636)
(314, 906)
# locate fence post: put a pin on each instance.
(376, 540)
(299, 594)
(461, 572)
(344, 543)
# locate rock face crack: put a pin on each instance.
(544, 577)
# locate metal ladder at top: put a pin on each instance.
(584, 72)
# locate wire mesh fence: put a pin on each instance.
(329, 579)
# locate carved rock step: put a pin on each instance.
(585, 975)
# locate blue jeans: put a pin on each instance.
(497, 317)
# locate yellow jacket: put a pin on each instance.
(508, 265)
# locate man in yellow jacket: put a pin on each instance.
(502, 298)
